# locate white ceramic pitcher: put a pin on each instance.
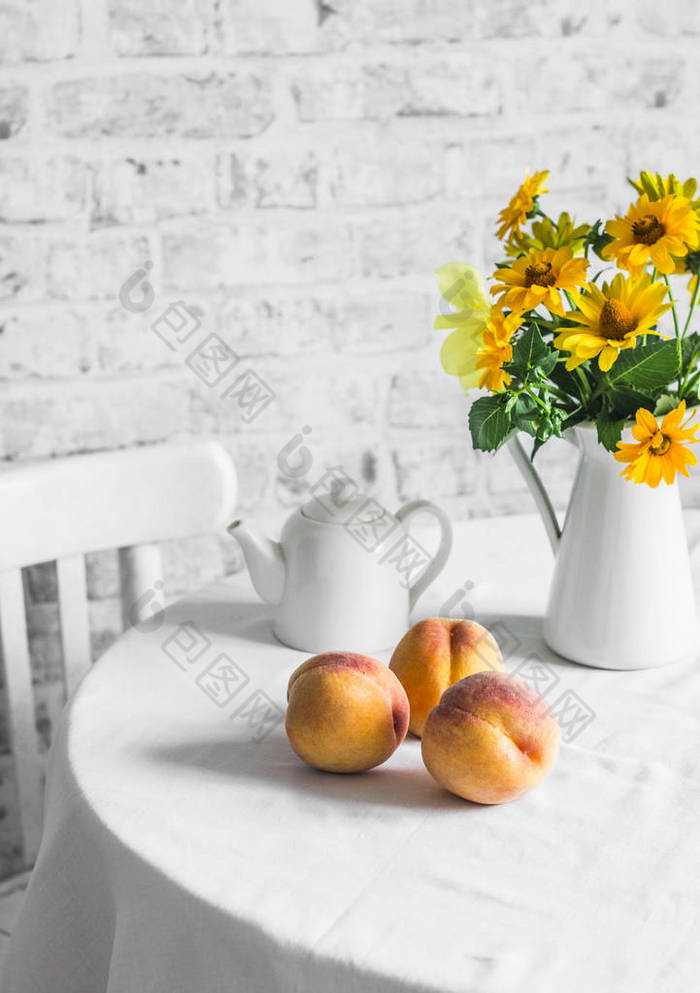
(622, 593)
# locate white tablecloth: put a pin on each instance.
(187, 850)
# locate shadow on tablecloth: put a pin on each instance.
(403, 782)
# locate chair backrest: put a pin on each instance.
(60, 510)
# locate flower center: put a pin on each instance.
(541, 274)
(648, 229)
(616, 320)
(660, 444)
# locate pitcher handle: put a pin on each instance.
(536, 488)
(441, 555)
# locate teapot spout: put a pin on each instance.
(264, 559)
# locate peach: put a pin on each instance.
(436, 653)
(490, 739)
(345, 713)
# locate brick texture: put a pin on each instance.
(38, 30)
(293, 172)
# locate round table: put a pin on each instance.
(188, 850)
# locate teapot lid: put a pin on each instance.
(336, 499)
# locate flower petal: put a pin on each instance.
(607, 357)
(647, 421)
(458, 352)
(653, 473)
(461, 284)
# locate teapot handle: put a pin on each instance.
(537, 490)
(441, 555)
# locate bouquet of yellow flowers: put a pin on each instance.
(572, 334)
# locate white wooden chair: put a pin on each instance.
(61, 509)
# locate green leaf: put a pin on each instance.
(664, 403)
(573, 419)
(649, 186)
(609, 430)
(557, 419)
(546, 364)
(566, 381)
(489, 422)
(646, 367)
(539, 442)
(624, 403)
(692, 262)
(527, 425)
(545, 432)
(524, 404)
(597, 238)
(529, 348)
(690, 346)
(530, 352)
(525, 414)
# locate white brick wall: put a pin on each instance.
(294, 170)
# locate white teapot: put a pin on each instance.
(345, 573)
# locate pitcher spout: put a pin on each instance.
(264, 559)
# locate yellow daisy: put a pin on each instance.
(497, 349)
(538, 277)
(462, 286)
(549, 234)
(652, 231)
(659, 452)
(657, 186)
(512, 217)
(611, 318)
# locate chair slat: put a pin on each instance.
(113, 500)
(141, 576)
(23, 736)
(75, 625)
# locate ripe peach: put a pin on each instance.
(490, 739)
(345, 713)
(434, 654)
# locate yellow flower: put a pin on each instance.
(611, 318)
(652, 231)
(659, 451)
(656, 187)
(547, 234)
(497, 349)
(512, 217)
(538, 277)
(462, 286)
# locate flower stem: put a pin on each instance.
(537, 399)
(585, 386)
(564, 397)
(689, 376)
(673, 305)
(693, 301)
(679, 347)
(602, 387)
(570, 301)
